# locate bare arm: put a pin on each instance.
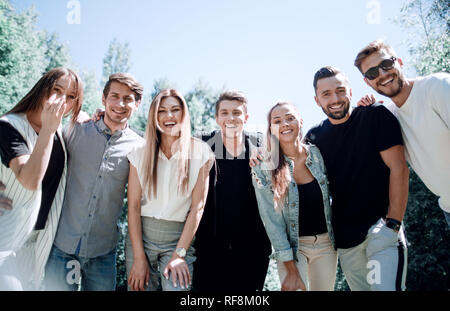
(30, 169)
(394, 158)
(293, 280)
(140, 272)
(178, 265)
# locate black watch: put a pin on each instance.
(393, 224)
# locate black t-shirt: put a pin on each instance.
(236, 205)
(231, 219)
(13, 145)
(359, 179)
(311, 215)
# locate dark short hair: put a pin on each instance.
(232, 95)
(325, 72)
(128, 80)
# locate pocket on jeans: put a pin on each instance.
(381, 238)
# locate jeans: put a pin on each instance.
(379, 263)
(65, 272)
(447, 217)
(317, 262)
(160, 239)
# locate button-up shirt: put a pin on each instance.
(97, 175)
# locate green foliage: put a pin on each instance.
(427, 23)
(428, 235)
(121, 277)
(117, 59)
(26, 53)
(201, 102)
(56, 53)
(92, 98)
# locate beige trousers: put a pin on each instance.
(317, 263)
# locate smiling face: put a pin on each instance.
(65, 90)
(231, 117)
(120, 104)
(333, 95)
(170, 116)
(389, 82)
(285, 124)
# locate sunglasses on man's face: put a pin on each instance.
(374, 72)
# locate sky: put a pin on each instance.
(270, 50)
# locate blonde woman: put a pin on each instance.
(292, 192)
(167, 189)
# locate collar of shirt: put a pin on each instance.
(164, 157)
(104, 129)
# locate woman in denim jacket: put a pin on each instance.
(293, 200)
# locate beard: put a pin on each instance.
(394, 92)
(338, 115)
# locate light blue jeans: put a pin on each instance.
(160, 239)
(377, 264)
(65, 272)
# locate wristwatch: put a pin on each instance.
(393, 224)
(181, 252)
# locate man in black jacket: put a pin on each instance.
(232, 246)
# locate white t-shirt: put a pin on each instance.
(169, 204)
(425, 123)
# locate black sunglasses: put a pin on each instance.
(374, 72)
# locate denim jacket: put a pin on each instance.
(282, 228)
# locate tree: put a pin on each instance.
(117, 59)
(428, 23)
(92, 97)
(26, 53)
(201, 102)
(56, 53)
(22, 59)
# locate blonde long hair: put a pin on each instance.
(153, 142)
(280, 175)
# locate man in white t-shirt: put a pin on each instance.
(422, 106)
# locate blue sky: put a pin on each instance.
(268, 49)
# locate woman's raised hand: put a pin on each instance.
(52, 114)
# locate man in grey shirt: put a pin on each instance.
(84, 250)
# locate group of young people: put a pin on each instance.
(207, 213)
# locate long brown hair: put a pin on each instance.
(280, 175)
(35, 98)
(153, 142)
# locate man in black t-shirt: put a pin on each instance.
(363, 153)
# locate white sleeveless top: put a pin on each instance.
(17, 226)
